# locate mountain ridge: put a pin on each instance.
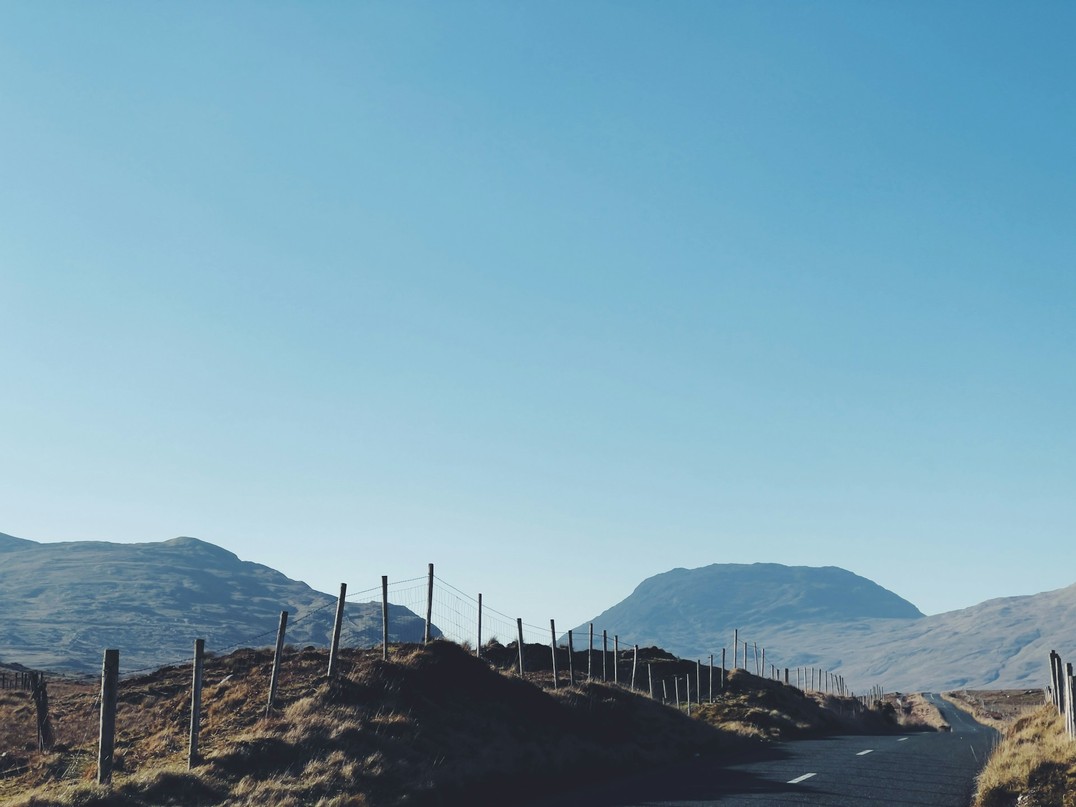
(1002, 642)
(70, 600)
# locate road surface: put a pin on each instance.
(911, 770)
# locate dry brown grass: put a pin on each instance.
(998, 708)
(763, 708)
(431, 725)
(1033, 766)
(915, 713)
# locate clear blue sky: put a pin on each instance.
(555, 295)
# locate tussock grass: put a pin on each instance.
(762, 708)
(432, 725)
(997, 708)
(1034, 765)
(915, 711)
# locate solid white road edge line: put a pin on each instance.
(799, 779)
(861, 753)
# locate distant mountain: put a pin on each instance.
(830, 618)
(63, 603)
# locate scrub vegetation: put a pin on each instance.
(431, 725)
(1033, 766)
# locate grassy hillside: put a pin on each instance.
(66, 601)
(1033, 766)
(430, 726)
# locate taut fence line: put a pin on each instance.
(682, 683)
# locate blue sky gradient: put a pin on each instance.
(555, 295)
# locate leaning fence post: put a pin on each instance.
(676, 687)
(1055, 675)
(384, 617)
(275, 677)
(334, 648)
(429, 608)
(196, 703)
(519, 630)
(553, 648)
(110, 677)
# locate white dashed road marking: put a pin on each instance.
(861, 753)
(902, 739)
(799, 779)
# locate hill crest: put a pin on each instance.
(67, 601)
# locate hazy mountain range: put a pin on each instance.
(63, 603)
(830, 618)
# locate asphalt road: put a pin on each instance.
(923, 769)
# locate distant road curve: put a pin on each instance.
(911, 770)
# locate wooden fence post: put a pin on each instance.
(698, 682)
(334, 648)
(1066, 700)
(553, 647)
(519, 630)
(196, 703)
(735, 647)
(429, 608)
(590, 655)
(763, 660)
(1070, 686)
(722, 669)
(634, 664)
(605, 655)
(711, 678)
(650, 675)
(110, 677)
(571, 660)
(1055, 671)
(676, 687)
(478, 646)
(275, 677)
(616, 659)
(384, 617)
(758, 670)
(40, 693)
